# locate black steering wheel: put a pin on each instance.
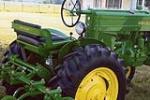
(70, 12)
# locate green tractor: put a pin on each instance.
(46, 64)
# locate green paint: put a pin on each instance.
(120, 30)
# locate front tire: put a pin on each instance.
(92, 73)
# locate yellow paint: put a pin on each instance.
(129, 70)
(94, 85)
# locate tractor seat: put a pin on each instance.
(57, 35)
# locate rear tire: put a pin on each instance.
(83, 61)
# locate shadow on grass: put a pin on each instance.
(140, 87)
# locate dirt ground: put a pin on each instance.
(140, 87)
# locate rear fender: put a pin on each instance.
(69, 47)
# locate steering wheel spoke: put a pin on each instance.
(73, 9)
(66, 9)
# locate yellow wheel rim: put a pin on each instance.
(99, 84)
(128, 73)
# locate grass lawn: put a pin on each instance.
(45, 20)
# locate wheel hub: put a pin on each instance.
(99, 84)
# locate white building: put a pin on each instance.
(111, 4)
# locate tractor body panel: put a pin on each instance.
(121, 30)
(117, 21)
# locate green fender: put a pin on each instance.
(68, 48)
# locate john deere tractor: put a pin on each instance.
(46, 64)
